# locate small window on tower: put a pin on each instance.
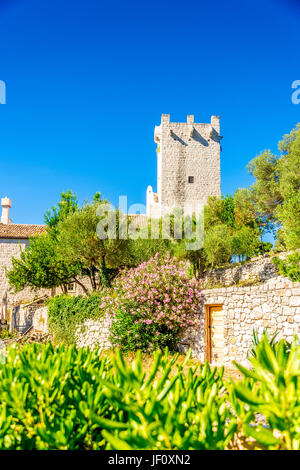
(191, 179)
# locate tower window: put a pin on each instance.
(191, 179)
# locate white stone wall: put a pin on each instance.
(40, 319)
(26, 315)
(259, 269)
(187, 149)
(94, 333)
(274, 305)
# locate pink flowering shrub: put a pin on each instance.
(151, 303)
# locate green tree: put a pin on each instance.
(218, 245)
(289, 216)
(266, 193)
(245, 243)
(141, 250)
(245, 213)
(235, 211)
(235, 218)
(68, 204)
(275, 191)
(78, 242)
(213, 211)
(228, 211)
(40, 266)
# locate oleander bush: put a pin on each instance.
(151, 303)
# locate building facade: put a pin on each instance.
(188, 166)
(13, 239)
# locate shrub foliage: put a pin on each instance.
(66, 312)
(74, 399)
(290, 267)
(272, 388)
(151, 303)
(68, 398)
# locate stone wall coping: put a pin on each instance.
(277, 283)
(263, 257)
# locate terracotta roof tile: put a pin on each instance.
(23, 231)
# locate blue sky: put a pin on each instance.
(87, 82)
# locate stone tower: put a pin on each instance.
(188, 166)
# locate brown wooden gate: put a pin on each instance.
(214, 333)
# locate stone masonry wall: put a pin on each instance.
(188, 149)
(40, 319)
(259, 269)
(11, 248)
(94, 333)
(274, 304)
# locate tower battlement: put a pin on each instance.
(188, 165)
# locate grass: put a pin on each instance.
(229, 372)
(147, 358)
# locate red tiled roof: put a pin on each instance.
(23, 231)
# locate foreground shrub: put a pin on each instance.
(75, 399)
(290, 267)
(151, 303)
(256, 339)
(66, 398)
(271, 388)
(6, 334)
(66, 312)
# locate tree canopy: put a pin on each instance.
(40, 265)
(79, 242)
(275, 192)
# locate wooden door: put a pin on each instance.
(214, 334)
